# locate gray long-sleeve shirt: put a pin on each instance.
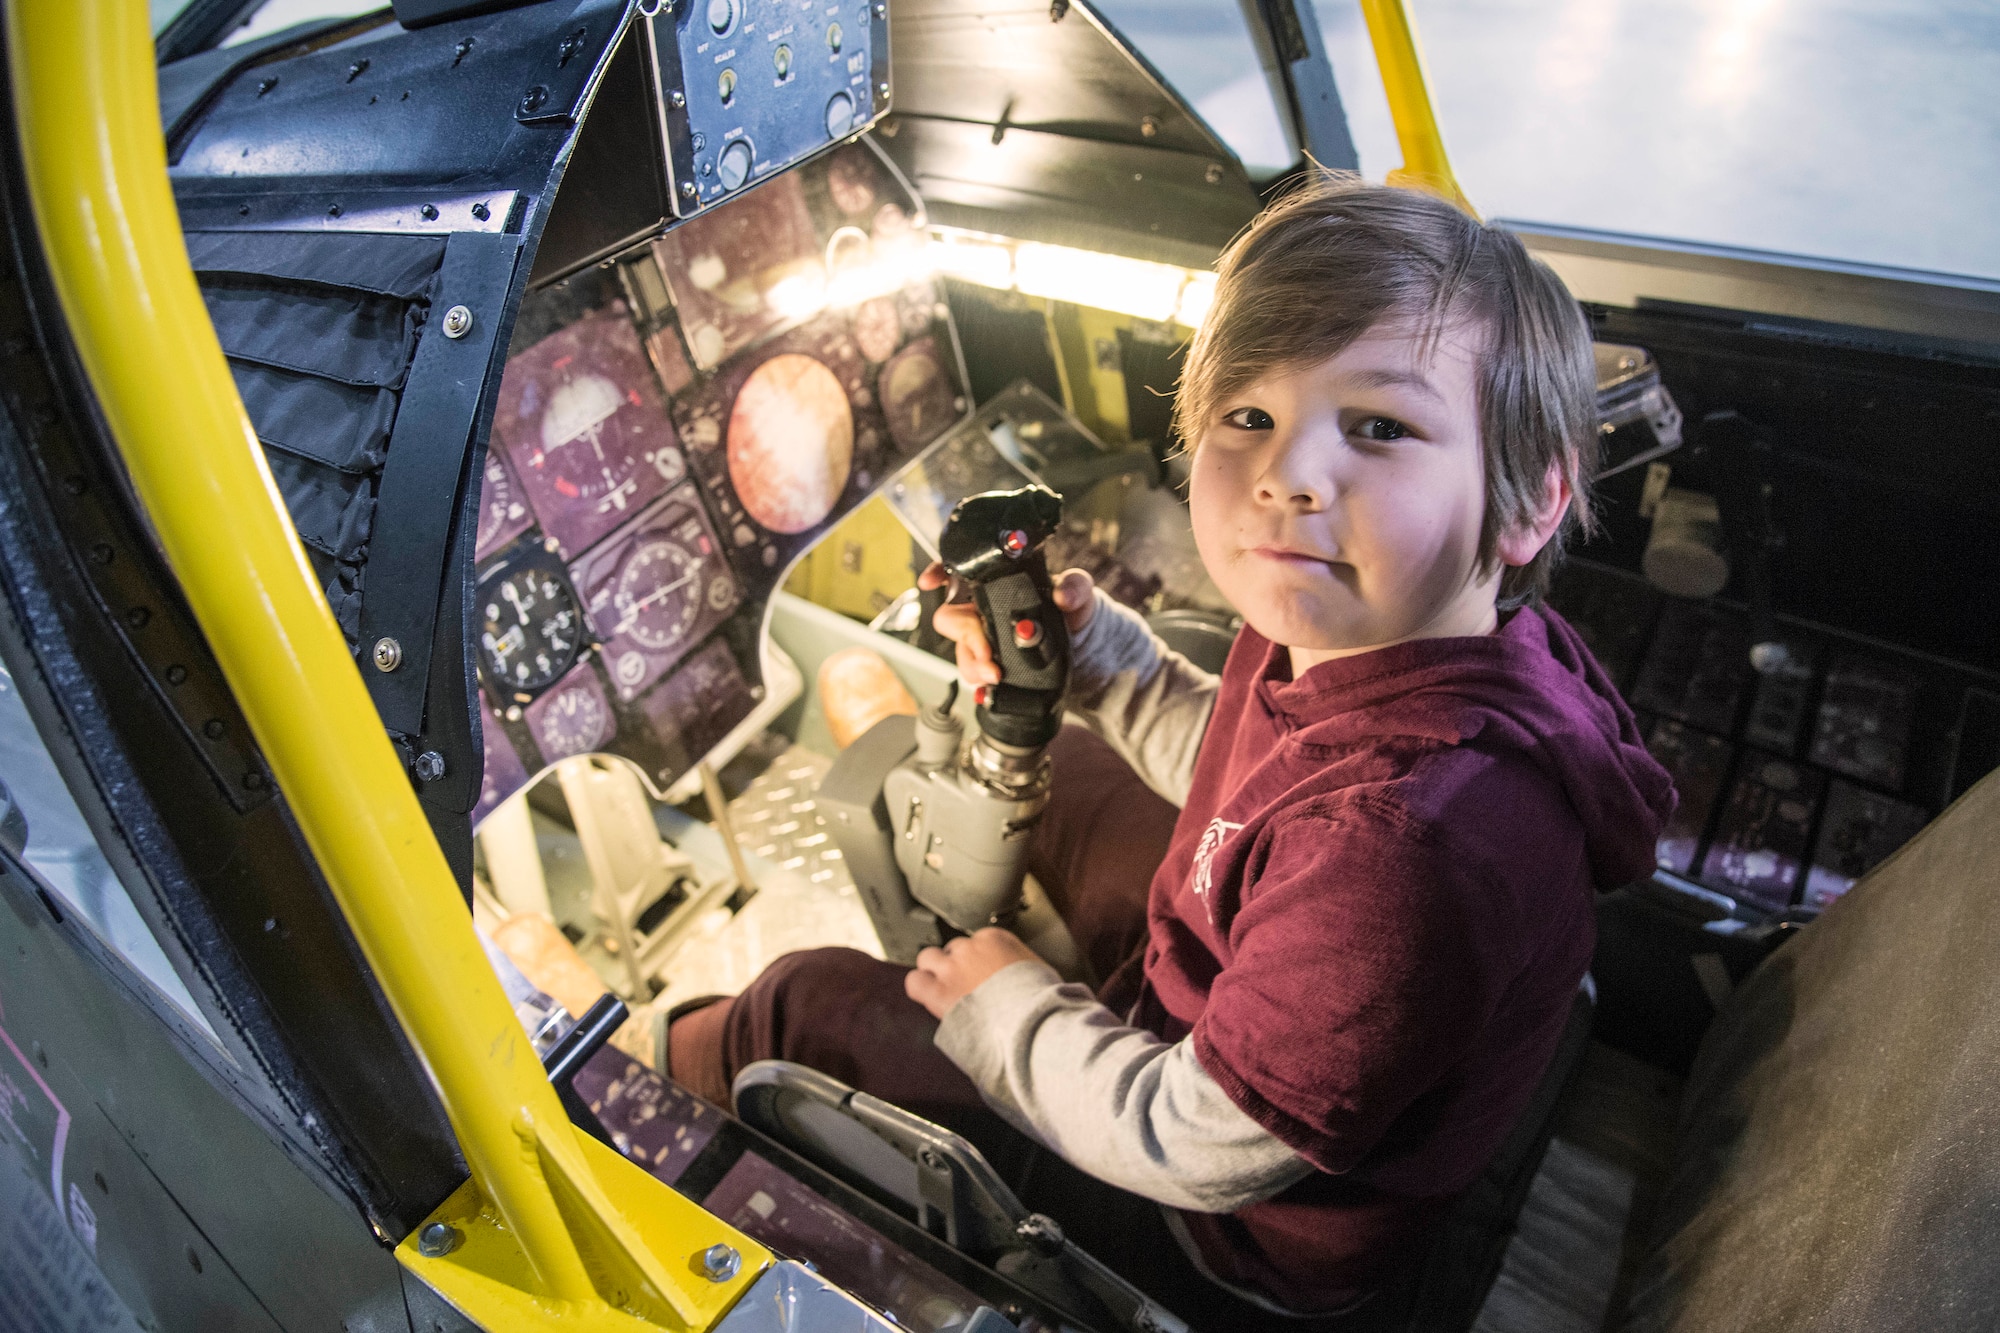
(1112, 1099)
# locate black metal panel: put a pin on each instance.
(615, 192)
(1884, 466)
(368, 132)
(227, 884)
(1010, 122)
(187, 79)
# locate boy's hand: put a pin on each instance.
(959, 621)
(943, 977)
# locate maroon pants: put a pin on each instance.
(844, 1013)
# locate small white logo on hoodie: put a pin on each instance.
(1212, 838)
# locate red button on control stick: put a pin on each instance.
(1027, 633)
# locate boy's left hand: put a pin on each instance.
(943, 977)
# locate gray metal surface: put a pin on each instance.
(198, 1213)
(1009, 122)
(791, 1298)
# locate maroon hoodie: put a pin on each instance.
(1374, 914)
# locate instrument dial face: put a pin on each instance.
(585, 430)
(655, 589)
(660, 589)
(503, 513)
(531, 629)
(573, 720)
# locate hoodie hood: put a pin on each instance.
(1531, 687)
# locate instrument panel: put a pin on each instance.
(747, 88)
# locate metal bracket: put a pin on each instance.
(420, 482)
(1292, 50)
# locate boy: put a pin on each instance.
(1397, 802)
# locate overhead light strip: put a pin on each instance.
(1164, 293)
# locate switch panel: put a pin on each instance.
(747, 88)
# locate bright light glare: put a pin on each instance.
(980, 262)
(1158, 292)
(1105, 282)
(1196, 298)
(799, 295)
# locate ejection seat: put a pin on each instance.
(1834, 1163)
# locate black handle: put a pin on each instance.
(573, 1049)
(994, 542)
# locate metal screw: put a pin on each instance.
(721, 1262)
(388, 654)
(457, 323)
(1042, 1233)
(356, 70)
(481, 211)
(1148, 127)
(177, 674)
(534, 100)
(460, 51)
(253, 781)
(687, 189)
(430, 212)
(677, 98)
(333, 210)
(265, 85)
(1214, 173)
(429, 766)
(568, 48)
(213, 728)
(438, 1239)
(137, 617)
(884, 88)
(881, 11)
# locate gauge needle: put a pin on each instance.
(513, 594)
(655, 595)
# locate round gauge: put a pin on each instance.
(581, 456)
(575, 721)
(790, 442)
(501, 511)
(532, 628)
(659, 591)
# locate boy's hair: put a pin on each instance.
(1336, 256)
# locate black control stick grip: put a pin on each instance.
(994, 542)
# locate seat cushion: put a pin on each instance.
(1837, 1164)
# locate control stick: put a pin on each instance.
(934, 830)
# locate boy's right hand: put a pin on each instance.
(960, 622)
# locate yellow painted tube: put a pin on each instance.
(1426, 166)
(89, 120)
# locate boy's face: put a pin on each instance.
(1338, 506)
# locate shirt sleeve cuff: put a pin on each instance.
(1116, 639)
(978, 1031)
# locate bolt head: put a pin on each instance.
(678, 98)
(687, 189)
(438, 1239)
(429, 766)
(457, 322)
(388, 654)
(721, 1262)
